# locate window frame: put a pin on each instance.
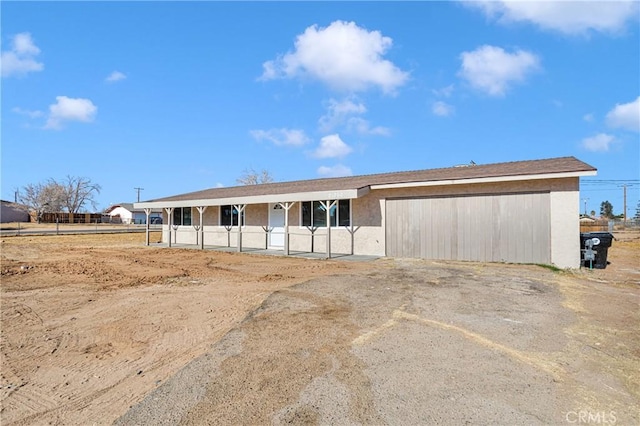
(242, 215)
(182, 216)
(333, 219)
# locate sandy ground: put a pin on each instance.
(98, 329)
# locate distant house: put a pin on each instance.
(517, 212)
(127, 213)
(14, 212)
(592, 224)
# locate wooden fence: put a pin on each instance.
(610, 225)
(595, 226)
(71, 218)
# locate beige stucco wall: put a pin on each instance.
(368, 219)
(565, 229)
(253, 236)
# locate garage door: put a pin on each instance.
(486, 228)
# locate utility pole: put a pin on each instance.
(624, 212)
(585, 206)
(139, 189)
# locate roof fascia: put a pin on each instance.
(348, 193)
(485, 180)
(256, 199)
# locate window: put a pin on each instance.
(229, 216)
(314, 213)
(182, 216)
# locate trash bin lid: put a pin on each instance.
(606, 238)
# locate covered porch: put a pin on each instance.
(263, 223)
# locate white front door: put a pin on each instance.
(276, 222)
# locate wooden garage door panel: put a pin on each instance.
(488, 228)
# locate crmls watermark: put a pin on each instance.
(585, 417)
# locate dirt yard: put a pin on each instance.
(99, 329)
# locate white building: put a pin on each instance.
(127, 213)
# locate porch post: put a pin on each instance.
(240, 208)
(352, 232)
(169, 211)
(327, 206)
(201, 211)
(147, 211)
(286, 207)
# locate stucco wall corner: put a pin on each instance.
(565, 229)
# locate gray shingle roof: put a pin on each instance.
(516, 168)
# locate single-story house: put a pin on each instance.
(516, 212)
(127, 213)
(587, 219)
(13, 212)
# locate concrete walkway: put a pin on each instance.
(273, 252)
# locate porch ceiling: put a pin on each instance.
(342, 194)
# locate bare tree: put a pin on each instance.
(30, 197)
(251, 177)
(70, 194)
(78, 191)
(41, 197)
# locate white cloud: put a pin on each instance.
(442, 109)
(23, 45)
(338, 170)
(70, 109)
(492, 70)
(346, 107)
(343, 55)
(115, 76)
(332, 146)
(338, 113)
(20, 60)
(341, 114)
(28, 113)
(588, 117)
(568, 17)
(625, 116)
(600, 142)
(363, 127)
(219, 185)
(444, 92)
(281, 137)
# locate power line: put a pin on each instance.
(610, 183)
(611, 187)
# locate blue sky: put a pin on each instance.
(175, 97)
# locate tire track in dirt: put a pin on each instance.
(294, 349)
(94, 327)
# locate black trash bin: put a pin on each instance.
(604, 241)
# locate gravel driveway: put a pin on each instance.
(417, 342)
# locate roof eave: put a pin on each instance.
(350, 193)
(485, 180)
(342, 194)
